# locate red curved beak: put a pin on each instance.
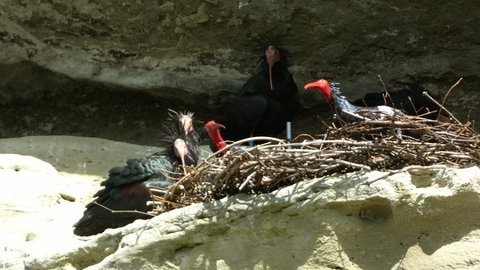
(323, 87)
(213, 131)
(212, 125)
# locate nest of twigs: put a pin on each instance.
(365, 145)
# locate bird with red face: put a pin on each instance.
(346, 111)
(217, 142)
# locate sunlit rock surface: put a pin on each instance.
(419, 219)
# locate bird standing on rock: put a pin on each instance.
(346, 111)
(266, 101)
(128, 188)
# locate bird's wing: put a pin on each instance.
(242, 116)
(138, 170)
(113, 208)
(125, 193)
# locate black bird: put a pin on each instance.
(182, 134)
(411, 101)
(265, 102)
(128, 188)
(346, 111)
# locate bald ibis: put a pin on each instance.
(265, 102)
(128, 188)
(182, 140)
(217, 142)
(346, 111)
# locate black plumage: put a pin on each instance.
(128, 188)
(265, 102)
(412, 101)
(182, 129)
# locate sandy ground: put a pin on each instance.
(72, 154)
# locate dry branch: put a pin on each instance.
(367, 145)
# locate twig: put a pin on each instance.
(386, 91)
(425, 93)
(448, 93)
(349, 164)
(355, 146)
(247, 180)
(123, 211)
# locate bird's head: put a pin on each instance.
(323, 87)
(213, 131)
(212, 126)
(185, 122)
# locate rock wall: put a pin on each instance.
(109, 68)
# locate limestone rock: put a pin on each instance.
(333, 222)
(111, 58)
(418, 219)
